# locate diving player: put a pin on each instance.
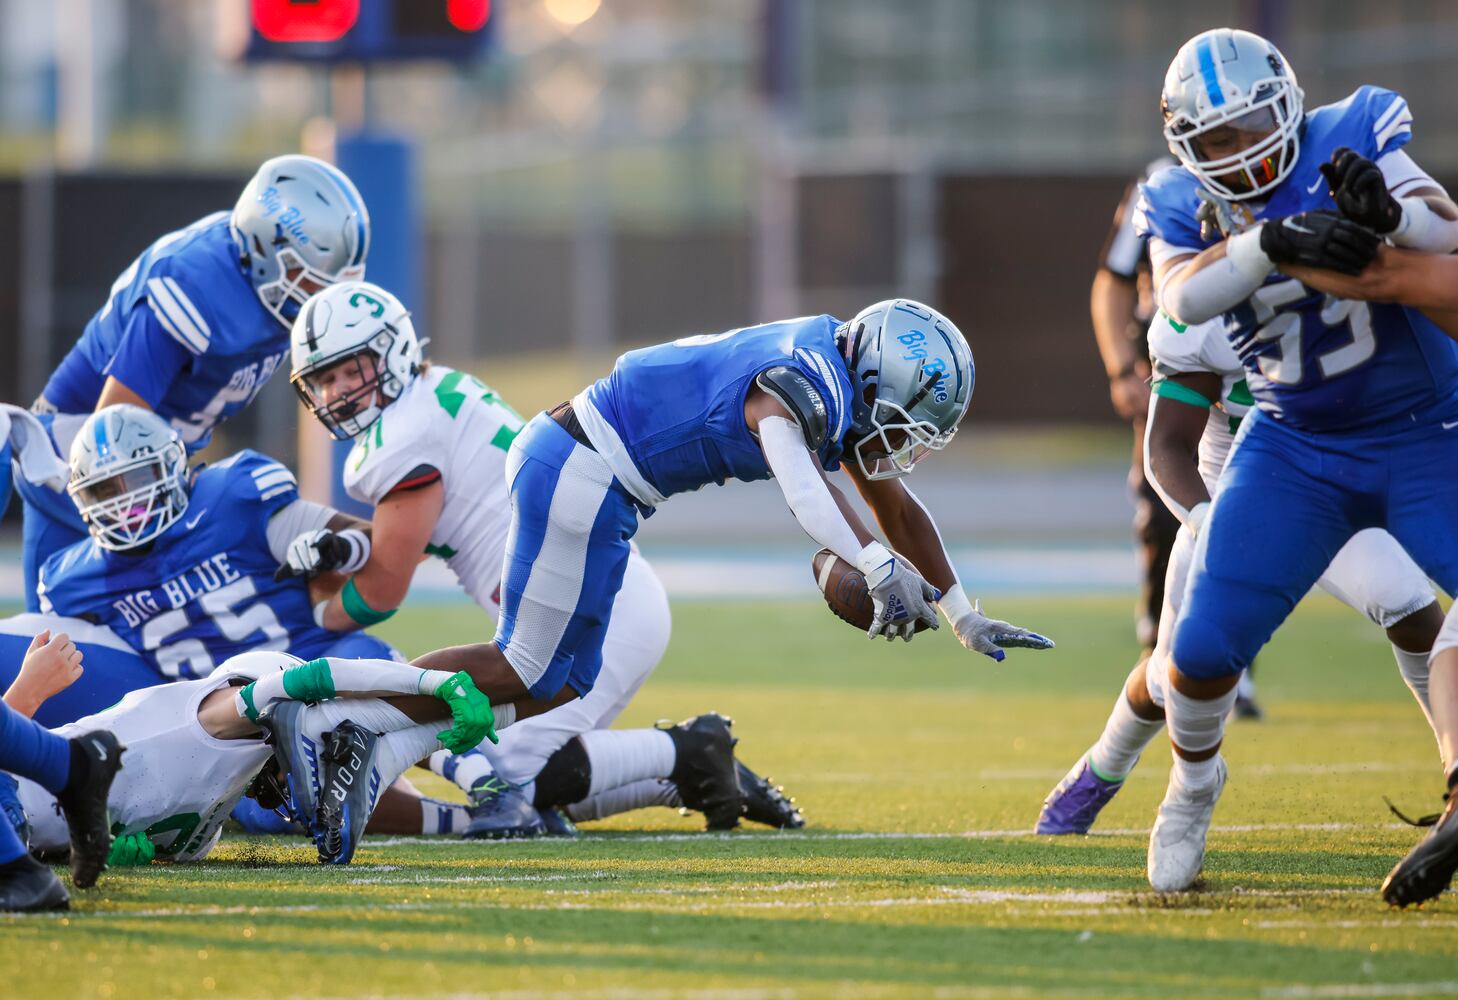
(195, 747)
(787, 401)
(180, 563)
(1199, 397)
(198, 323)
(430, 455)
(1351, 399)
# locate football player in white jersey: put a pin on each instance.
(1200, 397)
(195, 747)
(430, 447)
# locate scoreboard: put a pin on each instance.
(368, 30)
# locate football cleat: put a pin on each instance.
(1177, 842)
(499, 811)
(766, 803)
(1428, 868)
(348, 790)
(558, 823)
(85, 806)
(27, 886)
(1076, 801)
(704, 769)
(1247, 708)
(298, 759)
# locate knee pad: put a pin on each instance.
(565, 778)
(1203, 651)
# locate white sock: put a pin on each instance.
(400, 751)
(1414, 669)
(438, 816)
(466, 770)
(1196, 724)
(1124, 738)
(638, 795)
(621, 756)
(1245, 687)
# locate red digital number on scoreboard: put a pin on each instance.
(304, 20)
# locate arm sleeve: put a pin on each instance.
(804, 487)
(294, 520)
(147, 359)
(332, 677)
(1421, 228)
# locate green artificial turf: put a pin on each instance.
(921, 767)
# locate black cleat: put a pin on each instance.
(27, 886)
(349, 786)
(766, 802)
(1247, 708)
(704, 769)
(1428, 868)
(85, 806)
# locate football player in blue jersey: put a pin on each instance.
(180, 563)
(1352, 399)
(787, 401)
(198, 323)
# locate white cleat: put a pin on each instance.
(1177, 842)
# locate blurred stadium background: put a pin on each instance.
(582, 176)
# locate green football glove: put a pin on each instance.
(130, 850)
(471, 711)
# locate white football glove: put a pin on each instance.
(324, 551)
(988, 636)
(899, 595)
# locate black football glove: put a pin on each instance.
(1319, 239)
(314, 552)
(1361, 191)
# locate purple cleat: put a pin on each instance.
(1076, 802)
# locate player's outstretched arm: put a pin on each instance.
(900, 597)
(1178, 414)
(1425, 281)
(912, 532)
(51, 664)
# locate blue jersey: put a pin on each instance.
(679, 408)
(183, 329)
(204, 591)
(1315, 362)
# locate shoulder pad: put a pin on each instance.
(1166, 206)
(798, 395)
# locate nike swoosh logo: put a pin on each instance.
(1298, 228)
(1448, 425)
(193, 522)
(1319, 182)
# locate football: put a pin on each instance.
(845, 590)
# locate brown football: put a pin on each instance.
(845, 589)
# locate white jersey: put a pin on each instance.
(177, 783)
(447, 421)
(1177, 349)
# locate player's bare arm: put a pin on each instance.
(1171, 443)
(51, 664)
(400, 532)
(907, 526)
(1111, 302)
(117, 391)
(1426, 281)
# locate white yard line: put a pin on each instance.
(1445, 988)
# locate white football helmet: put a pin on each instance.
(1232, 78)
(911, 377)
(301, 226)
(128, 476)
(353, 321)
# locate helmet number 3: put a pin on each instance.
(378, 309)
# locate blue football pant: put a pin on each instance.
(571, 527)
(1288, 501)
